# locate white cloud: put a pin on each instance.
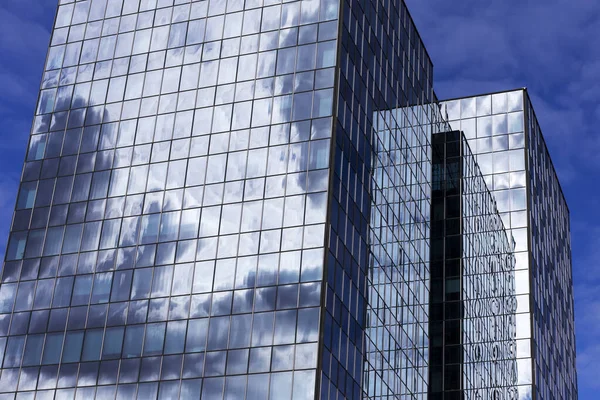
(587, 370)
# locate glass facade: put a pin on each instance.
(472, 297)
(503, 132)
(396, 333)
(377, 277)
(551, 272)
(168, 239)
(231, 199)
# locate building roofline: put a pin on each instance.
(418, 34)
(485, 94)
(524, 89)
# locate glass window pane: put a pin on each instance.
(196, 336)
(155, 336)
(72, 348)
(52, 348)
(132, 346)
(175, 338)
(113, 341)
(92, 345)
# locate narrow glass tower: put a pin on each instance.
(504, 133)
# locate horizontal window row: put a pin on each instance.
(475, 246)
(111, 11)
(177, 36)
(484, 105)
(37, 195)
(175, 225)
(492, 350)
(188, 123)
(501, 162)
(24, 245)
(511, 200)
(170, 227)
(155, 310)
(159, 175)
(485, 127)
(498, 143)
(305, 265)
(222, 118)
(177, 57)
(147, 13)
(230, 218)
(149, 282)
(192, 76)
(192, 198)
(162, 175)
(297, 385)
(164, 127)
(189, 74)
(169, 138)
(175, 337)
(155, 178)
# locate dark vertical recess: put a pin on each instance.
(446, 303)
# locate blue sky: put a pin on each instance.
(552, 47)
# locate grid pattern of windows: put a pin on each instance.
(397, 314)
(231, 199)
(551, 273)
(494, 127)
(490, 368)
(168, 238)
(376, 274)
(502, 130)
(472, 308)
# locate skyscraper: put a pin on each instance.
(195, 212)
(504, 133)
(227, 199)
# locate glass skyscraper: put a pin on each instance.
(231, 199)
(187, 226)
(504, 133)
(169, 236)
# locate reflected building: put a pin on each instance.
(398, 276)
(472, 298)
(504, 133)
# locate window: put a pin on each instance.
(27, 195)
(72, 348)
(113, 341)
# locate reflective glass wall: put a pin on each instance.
(488, 290)
(502, 131)
(377, 262)
(552, 282)
(494, 127)
(472, 301)
(168, 239)
(231, 198)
